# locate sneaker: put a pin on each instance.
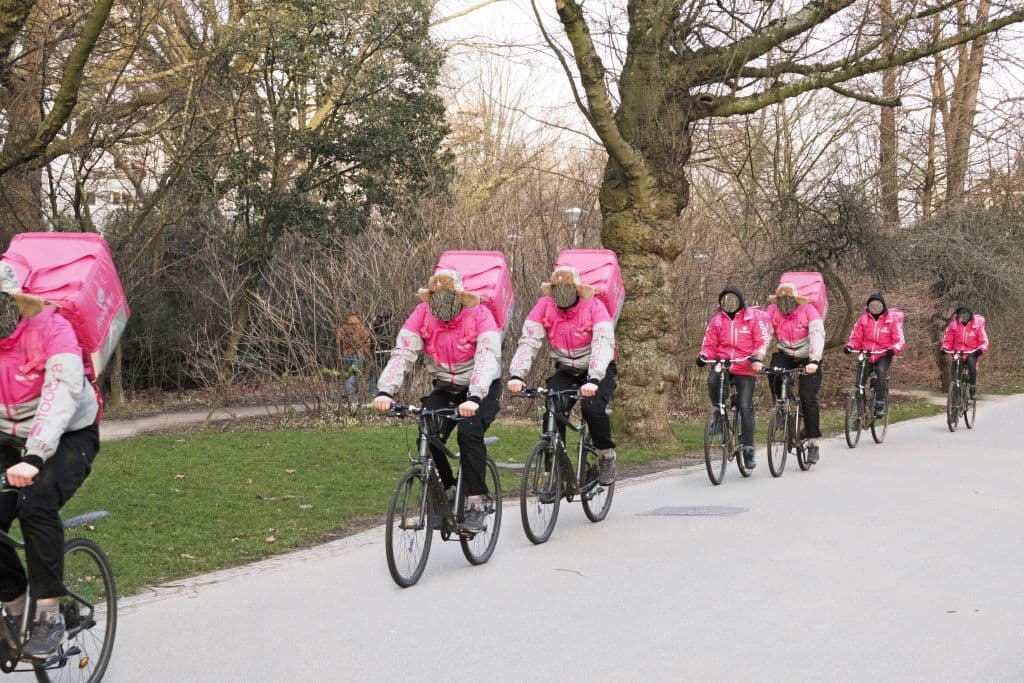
(606, 466)
(879, 409)
(475, 516)
(45, 639)
(974, 393)
(749, 461)
(812, 452)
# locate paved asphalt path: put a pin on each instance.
(901, 562)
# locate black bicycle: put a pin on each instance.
(549, 474)
(89, 608)
(420, 504)
(959, 402)
(860, 406)
(786, 424)
(723, 429)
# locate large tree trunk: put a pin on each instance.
(887, 141)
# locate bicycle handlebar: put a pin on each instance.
(533, 392)
(400, 411)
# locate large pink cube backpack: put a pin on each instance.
(75, 271)
(598, 268)
(484, 273)
(810, 285)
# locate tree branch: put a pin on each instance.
(866, 97)
(565, 65)
(591, 69)
(778, 93)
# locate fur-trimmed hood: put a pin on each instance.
(448, 279)
(569, 276)
(787, 289)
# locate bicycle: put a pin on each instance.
(959, 402)
(723, 429)
(420, 503)
(89, 608)
(786, 424)
(860, 403)
(549, 474)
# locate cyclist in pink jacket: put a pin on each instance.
(736, 332)
(582, 336)
(48, 440)
(461, 345)
(800, 342)
(966, 333)
(879, 331)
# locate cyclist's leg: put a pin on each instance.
(440, 398)
(745, 391)
(12, 574)
(972, 373)
(714, 385)
(881, 370)
(809, 386)
(779, 360)
(471, 442)
(595, 410)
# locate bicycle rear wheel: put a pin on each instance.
(880, 425)
(854, 409)
(90, 613)
(596, 497)
(716, 451)
(953, 407)
(777, 443)
(409, 529)
(540, 493)
(480, 547)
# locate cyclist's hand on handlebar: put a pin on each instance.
(383, 403)
(811, 368)
(847, 349)
(468, 408)
(889, 353)
(702, 360)
(589, 389)
(756, 366)
(516, 386)
(21, 474)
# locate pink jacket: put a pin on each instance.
(801, 334)
(465, 351)
(582, 337)
(966, 338)
(740, 337)
(877, 336)
(42, 383)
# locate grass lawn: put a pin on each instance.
(183, 505)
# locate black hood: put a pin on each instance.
(963, 307)
(732, 290)
(877, 297)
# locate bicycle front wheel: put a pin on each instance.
(540, 493)
(90, 613)
(409, 529)
(970, 413)
(854, 409)
(953, 407)
(716, 450)
(596, 497)
(480, 547)
(880, 425)
(777, 440)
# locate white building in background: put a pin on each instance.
(108, 187)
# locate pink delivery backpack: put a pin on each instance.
(598, 268)
(810, 285)
(486, 274)
(75, 271)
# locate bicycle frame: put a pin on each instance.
(784, 402)
(554, 417)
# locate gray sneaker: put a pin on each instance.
(474, 517)
(812, 452)
(45, 639)
(749, 461)
(606, 466)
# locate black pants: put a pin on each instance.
(881, 370)
(809, 386)
(38, 507)
(745, 393)
(595, 408)
(470, 438)
(972, 369)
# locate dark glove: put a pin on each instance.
(976, 354)
(889, 353)
(847, 349)
(702, 360)
(754, 359)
